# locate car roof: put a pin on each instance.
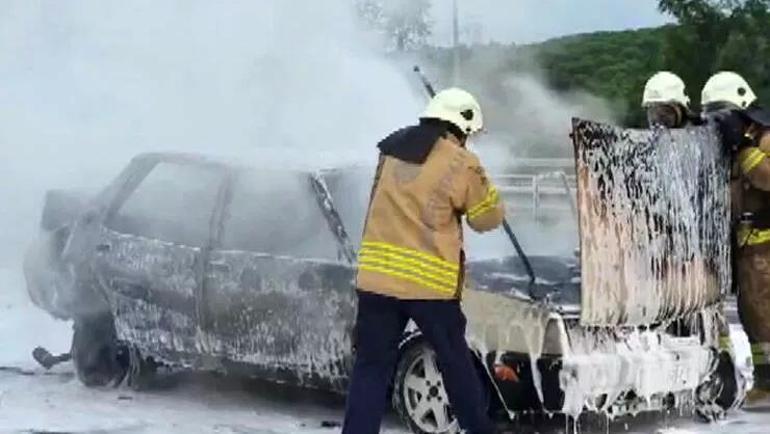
(185, 158)
(204, 161)
(220, 163)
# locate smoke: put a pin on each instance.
(525, 118)
(535, 121)
(541, 118)
(85, 86)
(542, 121)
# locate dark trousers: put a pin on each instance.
(379, 326)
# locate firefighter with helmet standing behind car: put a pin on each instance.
(668, 106)
(411, 262)
(745, 129)
(665, 101)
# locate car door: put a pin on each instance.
(150, 256)
(278, 295)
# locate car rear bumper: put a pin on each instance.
(48, 287)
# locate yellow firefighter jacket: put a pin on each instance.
(753, 191)
(412, 245)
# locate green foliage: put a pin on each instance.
(719, 35)
(612, 65)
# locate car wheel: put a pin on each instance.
(721, 392)
(95, 352)
(419, 396)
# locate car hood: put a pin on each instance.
(556, 278)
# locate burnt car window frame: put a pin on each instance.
(325, 202)
(220, 220)
(331, 178)
(146, 166)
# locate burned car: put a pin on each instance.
(190, 263)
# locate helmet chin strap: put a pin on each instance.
(457, 132)
(679, 115)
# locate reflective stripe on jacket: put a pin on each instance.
(412, 242)
(753, 195)
(748, 236)
(411, 265)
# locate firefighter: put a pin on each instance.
(665, 101)
(745, 129)
(668, 106)
(411, 262)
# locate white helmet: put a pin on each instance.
(727, 87)
(665, 88)
(458, 107)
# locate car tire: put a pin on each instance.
(721, 392)
(95, 351)
(419, 396)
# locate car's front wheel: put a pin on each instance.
(721, 392)
(419, 396)
(95, 351)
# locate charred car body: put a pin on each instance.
(190, 263)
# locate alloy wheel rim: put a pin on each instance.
(426, 400)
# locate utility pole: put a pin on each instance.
(455, 44)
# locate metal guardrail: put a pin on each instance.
(541, 192)
(538, 186)
(566, 164)
(515, 179)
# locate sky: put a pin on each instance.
(86, 85)
(526, 21)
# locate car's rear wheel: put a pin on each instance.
(95, 351)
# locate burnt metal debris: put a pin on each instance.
(654, 211)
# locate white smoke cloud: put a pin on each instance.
(85, 86)
(537, 122)
(543, 117)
